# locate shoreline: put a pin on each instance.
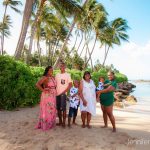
(140, 81)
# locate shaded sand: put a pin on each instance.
(17, 133)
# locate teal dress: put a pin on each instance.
(107, 99)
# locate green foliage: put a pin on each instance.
(75, 74)
(17, 84)
(103, 73)
(121, 77)
(96, 75)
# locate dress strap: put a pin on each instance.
(52, 79)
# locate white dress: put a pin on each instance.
(89, 95)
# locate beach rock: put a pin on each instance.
(131, 99)
(126, 86)
(122, 94)
(117, 96)
(126, 92)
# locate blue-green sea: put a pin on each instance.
(142, 93)
(142, 89)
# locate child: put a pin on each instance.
(101, 86)
(74, 102)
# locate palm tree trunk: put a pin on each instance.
(2, 40)
(39, 51)
(54, 49)
(64, 45)
(49, 49)
(85, 57)
(57, 43)
(31, 43)
(90, 58)
(82, 49)
(67, 38)
(24, 28)
(74, 44)
(106, 54)
(34, 46)
(33, 29)
(80, 42)
(91, 51)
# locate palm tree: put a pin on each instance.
(33, 28)
(93, 20)
(24, 28)
(13, 5)
(113, 34)
(98, 21)
(70, 7)
(50, 29)
(5, 30)
(75, 18)
(73, 48)
(80, 40)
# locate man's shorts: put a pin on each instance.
(73, 112)
(61, 102)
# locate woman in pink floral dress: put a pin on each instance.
(47, 85)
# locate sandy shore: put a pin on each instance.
(17, 132)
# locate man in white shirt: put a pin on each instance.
(64, 84)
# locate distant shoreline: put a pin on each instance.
(141, 81)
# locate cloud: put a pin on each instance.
(131, 59)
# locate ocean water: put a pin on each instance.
(142, 93)
(142, 89)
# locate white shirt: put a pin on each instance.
(62, 81)
(74, 101)
(100, 86)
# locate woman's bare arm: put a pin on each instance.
(109, 89)
(81, 94)
(40, 82)
(107, 84)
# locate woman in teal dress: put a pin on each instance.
(107, 99)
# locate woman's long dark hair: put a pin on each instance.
(46, 70)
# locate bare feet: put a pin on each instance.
(83, 126)
(69, 125)
(104, 126)
(74, 123)
(114, 130)
(89, 126)
(58, 124)
(63, 125)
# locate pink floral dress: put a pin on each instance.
(47, 117)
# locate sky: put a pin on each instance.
(131, 58)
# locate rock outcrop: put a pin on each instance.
(122, 95)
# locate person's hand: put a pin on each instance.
(84, 102)
(98, 92)
(46, 90)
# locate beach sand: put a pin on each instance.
(17, 132)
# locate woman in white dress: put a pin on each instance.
(88, 99)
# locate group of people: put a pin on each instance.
(83, 94)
